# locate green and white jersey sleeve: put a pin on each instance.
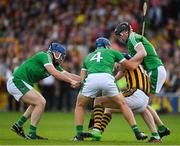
(33, 69)
(151, 61)
(46, 59)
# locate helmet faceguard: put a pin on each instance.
(122, 27)
(58, 51)
(102, 42)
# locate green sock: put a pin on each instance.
(32, 130)
(135, 128)
(155, 135)
(21, 121)
(79, 129)
(161, 128)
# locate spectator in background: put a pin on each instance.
(77, 22)
(48, 90)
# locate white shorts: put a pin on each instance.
(98, 83)
(157, 78)
(138, 101)
(17, 91)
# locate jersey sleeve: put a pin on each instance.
(118, 56)
(59, 68)
(135, 40)
(45, 59)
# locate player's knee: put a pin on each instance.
(80, 103)
(41, 102)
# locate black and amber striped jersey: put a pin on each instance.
(137, 79)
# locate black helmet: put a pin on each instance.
(124, 26)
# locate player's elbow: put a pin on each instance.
(144, 54)
(131, 67)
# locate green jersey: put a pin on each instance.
(151, 61)
(102, 60)
(33, 69)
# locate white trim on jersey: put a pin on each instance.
(122, 60)
(48, 64)
(137, 44)
(132, 39)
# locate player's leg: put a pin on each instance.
(162, 129)
(91, 120)
(148, 118)
(17, 127)
(38, 104)
(138, 102)
(158, 77)
(98, 114)
(18, 88)
(128, 114)
(118, 102)
(81, 103)
(107, 116)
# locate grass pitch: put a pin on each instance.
(60, 129)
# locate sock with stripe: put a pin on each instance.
(98, 114)
(79, 130)
(135, 128)
(155, 135)
(21, 121)
(161, 128)
(105, 121)
(32, 131)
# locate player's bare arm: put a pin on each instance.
(130, 65)
(120, 72)
(141, 53)
(83, 74)
(51, 69)
(72, 76)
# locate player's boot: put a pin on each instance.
(86, 134)
(78, 138)
(36, 137)
(18, 130)
(154, 140)
(140, 136)
(164, 133)
(96, 135)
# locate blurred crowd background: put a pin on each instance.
(27, 26)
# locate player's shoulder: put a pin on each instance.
(134, 38)
(41, 53)
(135, 35)
(113, 51)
